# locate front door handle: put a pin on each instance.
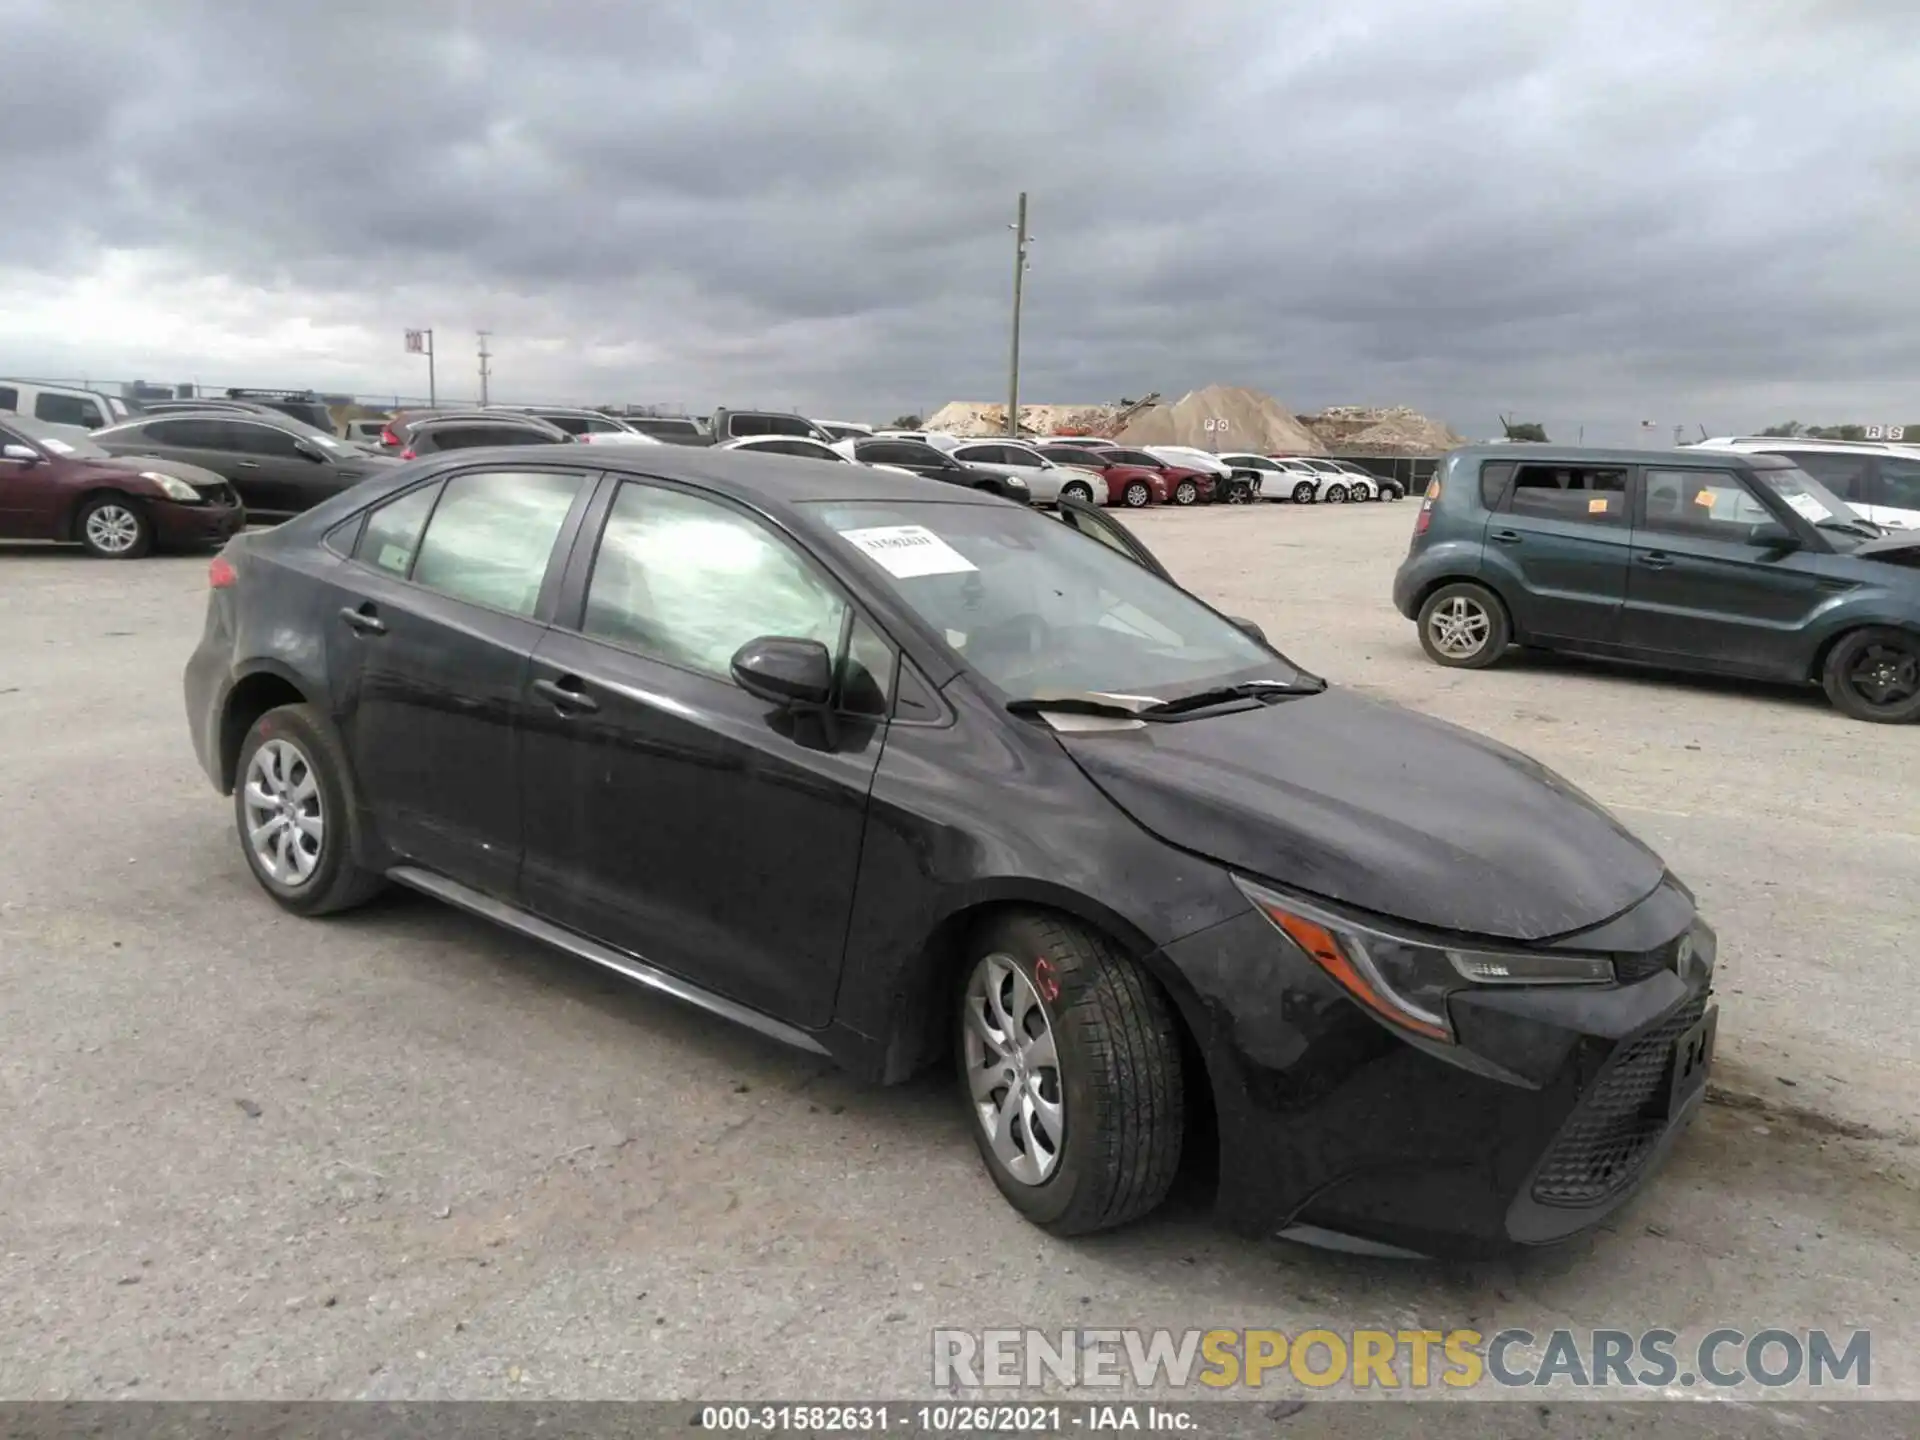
(1655, 559)
(1506, 537)
(364, 620)
(566, 695)
(246, 464)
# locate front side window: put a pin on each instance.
(67, 410)
(689, 581)
(981, 455)
(1844, 474)
(1032, 605)
(1135, 457)
(492, 535)
(1900, 482)
(260, 440)
(1711, 504)
(1588, 494)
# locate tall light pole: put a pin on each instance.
(485, 374)
(1020, 241)
(420, 342)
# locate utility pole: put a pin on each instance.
(1020, 242)
(485, 374)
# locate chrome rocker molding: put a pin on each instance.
(626, 966)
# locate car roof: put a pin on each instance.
(1530, 453)
(1763, 444)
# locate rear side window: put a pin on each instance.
(1587, 494)
(1899, 483)
(67, 410)
(9, 398)
(572, 424)
(1495, 476)
(187, 434)
(393, 531)
(492, 535)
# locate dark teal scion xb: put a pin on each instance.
(1701, 560)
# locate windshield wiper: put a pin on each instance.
(1086, 702)
(1245, 690)
(1869, 528)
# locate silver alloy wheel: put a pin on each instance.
(1459, 627)
(1185, 493)
(285, 823)
(113, 529)
(1079, 492)
(1013, 1070)
(1137, 494)
(1303, 493)
(1336, 494)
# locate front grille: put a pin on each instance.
(219, 495)
(1638, 966)
(1598, 1152)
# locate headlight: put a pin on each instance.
(172, 486)
(1406, 982)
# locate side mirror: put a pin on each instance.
(795, 673)
(1247, 627)
(1771, 535)
(25, 454)
(309, 450)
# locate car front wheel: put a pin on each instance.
(293, 812)
(1464, 626)
(1076, 491)
(1874, 674)
(114, 528)
(1070, 1065)
(1336, 495)
(1303, 493)
(1137, 494)
(1185, 493)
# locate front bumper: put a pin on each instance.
(175, 524)
(1550, 1112)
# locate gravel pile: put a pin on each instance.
(1376, 430)
(1254, 422)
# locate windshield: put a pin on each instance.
(1808, 497)
(1032, 605)
(49, 438)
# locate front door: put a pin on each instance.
(669, 813)
(31, 493)
(1558, 541)
(429, 630)
(1697, 587)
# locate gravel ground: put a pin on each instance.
(404, 1155)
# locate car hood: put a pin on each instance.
(1902, 548)
(197, 476)
(1377, 807)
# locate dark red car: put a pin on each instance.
(1185, 486)
(58, 485)
(1130, 485)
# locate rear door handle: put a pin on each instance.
(566, 695)
(1655, 559)
(246, 464)
(364, 620)
(1506, 537)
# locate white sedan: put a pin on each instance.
(800, 447)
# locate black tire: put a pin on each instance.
(1075, 490)
(1137, 496)
(1186, 493)
(1239, 494)
(1118, 1074)
(1874, 674)
(1336, 494)
(1304, 494)
(112, 526)
(336, 881)
(1458, 601)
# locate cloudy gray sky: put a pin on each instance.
(1587, 213)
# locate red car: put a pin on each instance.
(1185, 486)
(57, 485)
(1130, 485)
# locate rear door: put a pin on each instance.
(429, 630)
(1558, 543)
(669, 813)
(1699, 590)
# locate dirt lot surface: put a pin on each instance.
(403, 1154)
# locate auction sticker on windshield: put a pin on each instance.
(905, 551)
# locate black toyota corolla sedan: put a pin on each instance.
(891, 770)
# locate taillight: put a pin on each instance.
(387, 437)
(407, 454)
(221, 574)
(1424, 519)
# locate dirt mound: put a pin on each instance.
(973, 417)
(1373, 430)
(1252, 421)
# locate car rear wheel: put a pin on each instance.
(1464, 626)
(1137, 494)
(1874, 674)
(1076, 491)
(1070, 1065)
(294, 813)
(1336, 494)
(1185, 493)
(113, 528)
(1303, 493)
